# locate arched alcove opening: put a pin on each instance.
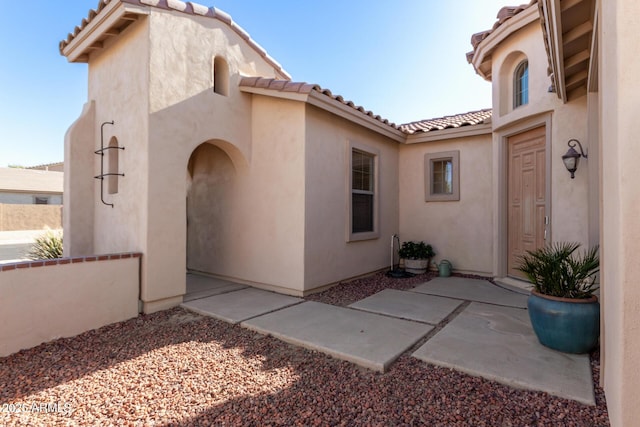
(220, 76)
(210, 196)
(514, 82)
(113, 166)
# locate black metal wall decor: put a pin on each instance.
(101, 152)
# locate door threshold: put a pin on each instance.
(516, 285)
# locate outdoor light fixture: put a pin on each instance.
(572, 157)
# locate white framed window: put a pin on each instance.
(363, 197)
(521, 84)
(442, 176)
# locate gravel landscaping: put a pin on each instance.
(179, 368)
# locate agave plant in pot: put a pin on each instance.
(417, 256)
(564, 312)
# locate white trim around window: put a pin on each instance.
(362, 184)
(442, 176)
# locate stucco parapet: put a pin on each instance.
(188, 8)
(484, 42)
(504, 14)
(73, 260)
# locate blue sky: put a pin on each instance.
(402, 59)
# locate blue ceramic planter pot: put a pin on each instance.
(563, 324)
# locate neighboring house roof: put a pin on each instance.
(448, 122)
(95, 17)
(30, 181)
(57, 167)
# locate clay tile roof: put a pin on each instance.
(306, 88)
(448, 122)
(189, 8)
(504, 15)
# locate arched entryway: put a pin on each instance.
(210, 200)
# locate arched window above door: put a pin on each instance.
(521, 84)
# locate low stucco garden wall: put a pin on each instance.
(44, 300)
(29, 217)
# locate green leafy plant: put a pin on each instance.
(416, 250)
(557, 270)
(47, 246)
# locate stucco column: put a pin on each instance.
(620, 101)
(78, 210)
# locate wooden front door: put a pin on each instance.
(527, 205)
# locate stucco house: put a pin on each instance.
(27, 186)
(211, 159)
(30, 199)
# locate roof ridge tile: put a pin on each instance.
(504, 14)
(470, 118)
(178, 5)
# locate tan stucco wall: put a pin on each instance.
(77, 217)
(39, 304)
(119, 85)
(250, 220)
(184, 113)
(569, 198)
(460, 231)
(328, 255)
(619, 66)
(30, 217)
(155, 82)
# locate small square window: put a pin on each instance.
(442, 176)
(442, 182)
(41, 200)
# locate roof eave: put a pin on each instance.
(333, 106)
(451, 133)
(482, 57)
(291, 96)
(551, 19)
(88, 39)
(338, 108)
(574, 70)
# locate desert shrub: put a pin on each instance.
(47, 246)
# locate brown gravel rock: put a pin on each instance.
(349, 292)
(179, 368)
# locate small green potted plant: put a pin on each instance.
(564, 312)
(417, 256)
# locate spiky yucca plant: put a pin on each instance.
(47, 246)
(557, 270)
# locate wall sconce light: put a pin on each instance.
(572, 157)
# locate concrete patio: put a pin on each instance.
(465, 324)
